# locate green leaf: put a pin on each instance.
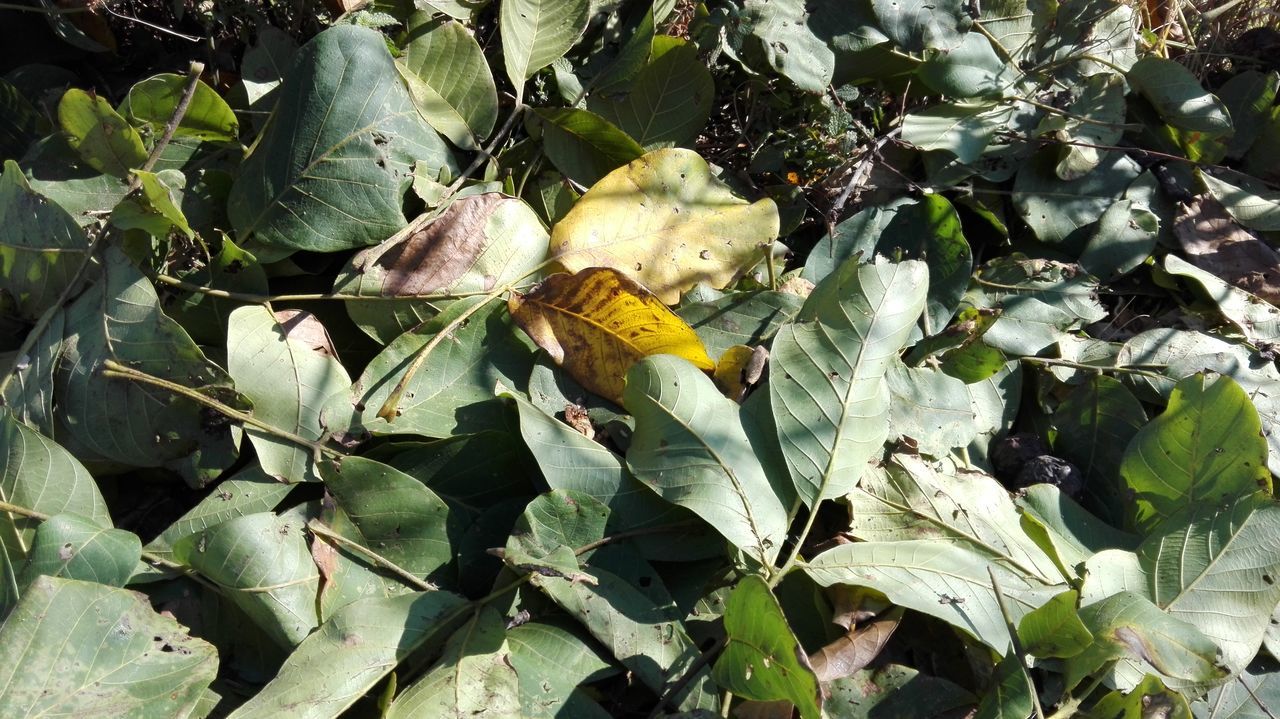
(689, 447)
(551, 661)
(249, 491)
(118, 318)
(1256, 210)
(647, 637)
(944, 580)
(39, 475)
(930, 231)
(787, 39)
(453, 391)
(931, 408)
(73, 547)
(1178, 97)
(277, 364)
(1091, 429)
(551, 528)
(894, 690)
(572, 462)
(73, 648)
(207, 117)
(1248, 96)
(964, 130)
(1146, 695)
(1055, 629)
(350, 653)
(915, 25)
(41, 249)
(477, 243)
(472, 679)
(858, 233)
(154, 209)
(909, 498)
(667, 103)
(1252, 694)
(1098, 121)
(1215, 567)
(762, 659)
(1124, 238)
(329, 170)
(1127, 624)
(583, 145)
(230, 269)
(1207, 447)
(830, 400)
(395, 515)
(264, 563)
(1057, 211)
(102, 137)
(1254, 317)
(972, 69)
(449, 79)
(1064, 529)
(1180, 353)
(1010, 696)
(740, 318)
(536, 33)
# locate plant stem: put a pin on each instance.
(257, 299)
(1073, 116)
(317, 528)
(115, 370)
(1051, 362)
(170, 127)
(1000, 49)
(1018, 654)
(794, 556)
(148, 557)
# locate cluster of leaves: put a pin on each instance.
(581, 438)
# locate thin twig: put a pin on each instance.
(115, 370)
(1052, 362)
(317, 528)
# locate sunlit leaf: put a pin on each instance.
(102, 137)
(207, 116)
(665, 221)
(139, 663)
(449, 79)
(597, 323)
(827, 379)
(536, 33)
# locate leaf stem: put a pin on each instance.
(115, 370)
(794, 556)
(319, 529)
(1018, 653)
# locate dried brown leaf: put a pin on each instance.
(1216, 243)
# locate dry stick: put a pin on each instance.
(317, 528)
(33, 336)
(115, 370)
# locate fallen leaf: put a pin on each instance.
(856, 648)
(666, 221)
(307, 329)
(1216, 243)
(596, 323)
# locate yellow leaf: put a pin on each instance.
(664, 220)
(596, 323)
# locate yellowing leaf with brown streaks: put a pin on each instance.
(664, 220)
(598, 322)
